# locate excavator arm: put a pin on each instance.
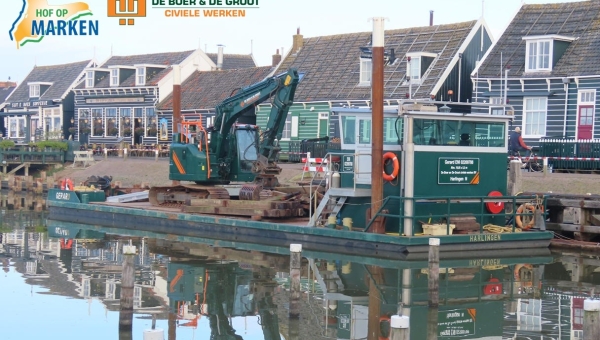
(282, 86)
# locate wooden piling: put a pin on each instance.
(591, 319)
(377, 95)
(127, 285)
(295, 268)
(400, 327)
(434, 272)
(514, 178)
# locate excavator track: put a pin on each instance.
(175, 196)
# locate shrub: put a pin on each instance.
(6, 144)
(52, 145)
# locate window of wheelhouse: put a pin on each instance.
(392, 130)
(349, 129)
(459, 133)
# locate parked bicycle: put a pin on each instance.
(531, 162)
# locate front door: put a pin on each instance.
(364, 149)
(585, 123)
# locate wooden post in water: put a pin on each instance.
(434, 288)
(295, 268)
(434, 272)
(400, 325)
(172, 329)
(127, 283)
(377, 121)
(514, 178)
(591, 319)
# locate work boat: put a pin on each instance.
(444, 177)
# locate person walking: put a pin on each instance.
(516, 143)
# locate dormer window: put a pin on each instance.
(366, 71)
(538, 55)
(415, 70)
(114, 77)
(34, 91)
(89, 79)
(140, 76)
(417, 64)
(542, 52)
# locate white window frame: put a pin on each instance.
(286, 134)
(323, 116)
(586, 97)
(89, 79)
(494, 110)
(415, 62)
(114, 77)
(534, 51)
(19, 121)
(34, 91)
(366, 71)
(527, 101)
(140, 76)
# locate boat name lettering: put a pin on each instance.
(484, 262)
(64, 196)
(485, 238)
(459, 161)
(61, 231)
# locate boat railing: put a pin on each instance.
(532, 205)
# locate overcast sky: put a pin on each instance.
(262, 31)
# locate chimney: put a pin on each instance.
(298, 41)
(7, 84)
(430, 18)
(276, 59)
(220, 57)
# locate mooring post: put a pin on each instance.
(545, 163)
(591, 319)
(156, 155)
(125, 154)
(105, 153)
(400, 325)
(127, 283)
(172, 326)
(154, 333)
(295, 266)
(514, 178)
(434, 272)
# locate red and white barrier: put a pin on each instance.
(537, 158)
(314, 164)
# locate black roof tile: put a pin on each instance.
(331, 63)
(204, 90)
(579, 20)
(61, 76)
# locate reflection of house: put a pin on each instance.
(202, 91)
(6, 88)
(42, 104)
(548, 55)
(117, 100)
(425, 61)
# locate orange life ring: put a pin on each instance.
(66, 184)
(495, 207)
(518, 218)
(394, 174)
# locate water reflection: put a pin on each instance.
(189, 288)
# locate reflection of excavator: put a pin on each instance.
(220, 291)
(235, 151)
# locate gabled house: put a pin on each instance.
(545, 66)
(423, 62)
(6, 88)
(117, 101)
(42, 105)
(203, 90)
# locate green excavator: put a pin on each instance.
(221, 290)
(232, 150)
